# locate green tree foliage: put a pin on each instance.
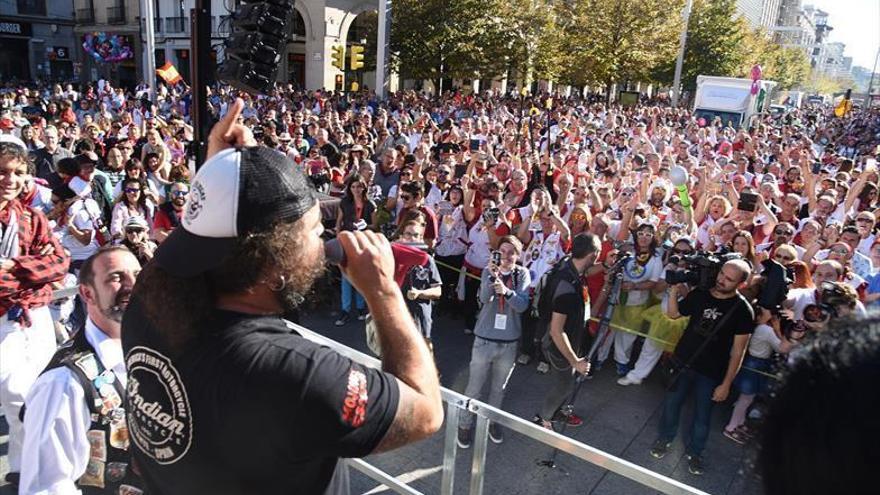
(789, 67)
(609, 41)
(535, 39)
(715, 44)
(440, 39)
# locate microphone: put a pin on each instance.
(334, 253)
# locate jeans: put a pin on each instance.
(347, 290)
(499, 358)
(703, 388)
(562, 383)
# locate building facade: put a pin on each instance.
(113, 22)
(37, 40)
(759, 13)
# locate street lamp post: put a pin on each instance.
(682, 42)
(150, 51)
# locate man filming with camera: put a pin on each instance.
(707, 357)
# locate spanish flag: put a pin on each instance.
(169, 73)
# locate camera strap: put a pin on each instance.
(720, 323)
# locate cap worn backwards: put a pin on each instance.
(235, 193)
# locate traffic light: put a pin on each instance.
(339, 82)
(338, 57)
(357, 57)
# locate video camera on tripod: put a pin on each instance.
(701, 268)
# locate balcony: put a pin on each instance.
(116, 14)
(85, 16)
(157, 25)
(177, 25)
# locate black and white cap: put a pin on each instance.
(235, 193)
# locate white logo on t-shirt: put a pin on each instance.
(159, 415)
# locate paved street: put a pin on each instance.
(622, 421)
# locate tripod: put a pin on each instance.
(567, 406)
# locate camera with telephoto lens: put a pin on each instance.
(701, 269)
(491, 215)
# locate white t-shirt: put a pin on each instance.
(85, 215)
(452, 234)
(636, 273)
(541, 254)
(763, 342)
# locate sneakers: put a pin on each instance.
(362, 314)
(496, 434)
(695, 465)
(523, 359)
(468, 331)
(572, 419)
(622, 369)
(660, 449)
(626, 380)
(739, 435)
(543, 367)
(13, 479)
(465, 437)
(344, 318)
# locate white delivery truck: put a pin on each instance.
(730, 99)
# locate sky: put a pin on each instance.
(857, 24)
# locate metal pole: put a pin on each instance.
(200, 68)
(682, 42)
(873, 71)
(382, 38)
(150, 50)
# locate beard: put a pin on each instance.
(308, 267)
(115, 310)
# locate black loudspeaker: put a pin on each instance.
(260, 31)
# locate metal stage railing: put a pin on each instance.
(456, 402)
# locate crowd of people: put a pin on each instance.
(523, 206)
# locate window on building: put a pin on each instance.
(31, 7)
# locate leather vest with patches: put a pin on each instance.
(109, 469)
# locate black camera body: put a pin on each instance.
(491, 214)
(702, 269)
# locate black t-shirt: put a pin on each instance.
(705, 311)
(250, 407)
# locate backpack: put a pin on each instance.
(544, 283)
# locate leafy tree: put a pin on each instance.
(442, 39)
(609, 41)
(715, 44)
(788, 66)
(535, 38)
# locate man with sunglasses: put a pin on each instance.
(852, 237)
(137, 239)
(170, 213)
(782, 234)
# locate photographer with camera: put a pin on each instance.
(708, 356)
(799, 300)
(504, 295)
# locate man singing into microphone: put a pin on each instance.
(223, 395)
